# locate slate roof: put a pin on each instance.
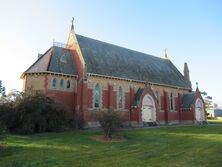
(188, 100)
(111, 60)
(56, 59)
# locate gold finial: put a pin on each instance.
(72, 27)
(165, 53)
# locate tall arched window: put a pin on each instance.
(97, 96)
(120, 98)
(68, 84)
(171, 102)
(158, 98)
(54, 82)
(61, 83)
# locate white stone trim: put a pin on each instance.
(138, 81)
(48, 72)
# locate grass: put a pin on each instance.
(188, 146)
(215, 121)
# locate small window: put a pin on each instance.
(54, 83)
(97, 96)
(68, 84)
(120, 98)
(61, 83)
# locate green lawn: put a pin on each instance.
(197, 146)
(215, 121)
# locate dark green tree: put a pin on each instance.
(33, 112)
(2, 89)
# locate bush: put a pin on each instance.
(2, 128)
(33, 113)
(5, 115)
(109, 120)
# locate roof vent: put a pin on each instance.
(39, 55)
(59, 44)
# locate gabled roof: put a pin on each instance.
(57, 60)
(111, 60)
(188, 100)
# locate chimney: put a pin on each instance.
(186, 72)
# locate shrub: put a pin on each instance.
(33, 113)
(5, 115)
(2, 128)
(38, 113)
(109, 120)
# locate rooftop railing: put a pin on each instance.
(59, 44)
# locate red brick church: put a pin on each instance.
(87, 75)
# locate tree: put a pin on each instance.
(2, 89)
(208, 100)
(2, 95)
(109, 120)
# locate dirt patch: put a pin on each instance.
(114, 139)
(3, 146)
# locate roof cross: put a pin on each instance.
(72, 27)
(197, 86)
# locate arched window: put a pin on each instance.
(171, 101)
(97, 96)
(158, 98)
(54, 83)
(120, 98)
(61, 83)
(68, 84)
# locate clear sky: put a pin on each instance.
(190, 29)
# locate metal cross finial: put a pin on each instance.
(197, 85)
(72, 23)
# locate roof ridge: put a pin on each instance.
(122, 47)
(50, 58)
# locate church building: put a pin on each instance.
(87, 75)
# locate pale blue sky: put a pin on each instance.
(190, 29)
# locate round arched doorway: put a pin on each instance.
(148, 109)
(199, 110)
